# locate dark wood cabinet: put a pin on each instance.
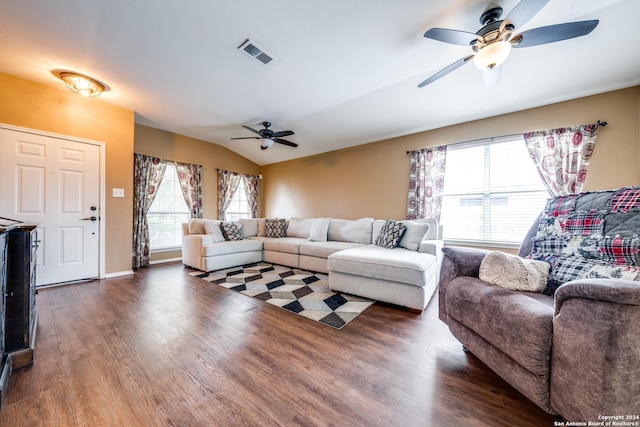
(20, 312)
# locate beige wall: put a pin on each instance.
(373, 179)
(170, 146)
(35, 106)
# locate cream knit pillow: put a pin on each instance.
(514, 272)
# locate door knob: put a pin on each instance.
(91, 218)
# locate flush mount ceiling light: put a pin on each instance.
(81, 84)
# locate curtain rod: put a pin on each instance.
(600, 123)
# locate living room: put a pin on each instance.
(366, 180)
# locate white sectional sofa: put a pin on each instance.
(406, 275)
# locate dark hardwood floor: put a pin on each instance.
(160, 348)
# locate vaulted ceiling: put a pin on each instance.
(345, 72)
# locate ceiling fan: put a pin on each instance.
(493, 42)
(268, 137)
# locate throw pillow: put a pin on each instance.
(390, 234)
(275, 227)
(514, 272)
(414, 234)
(231, 230)
(319, 229)
(213, 229)
(249, 227)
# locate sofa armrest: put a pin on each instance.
(192, 245)
(433, 247)
(457, 261)
(609, 290)
(596, 349)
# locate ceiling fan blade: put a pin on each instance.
(553, 33)
(492, 76)
(285, 142)
(458, 37)
(283, 133)
(523, 12)
(247, 137)
(252, 130)
(459, 63)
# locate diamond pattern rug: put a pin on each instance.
(301, 292)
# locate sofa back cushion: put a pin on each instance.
(355, 231)
(299, 227)
(196, 225)
(590, 235)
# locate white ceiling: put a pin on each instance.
(346, 72)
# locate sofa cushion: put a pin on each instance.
(356, 231)
(231, 247)
(513, 272)
(390, 234)
(213, 229)
(397, 265)
(289, 245)
(275, 227)
(520, 324)
(299, 227)
(249, 227)
(319, 229)
(324, 249)
(231, 230)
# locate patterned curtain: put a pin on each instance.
(148, 173)
(426, 182)
(227, 185)
(191, 186)
(562, 156)
(251, 188)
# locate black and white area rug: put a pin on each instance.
(301, 292)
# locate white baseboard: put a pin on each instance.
(118, 274)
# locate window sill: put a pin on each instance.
(158, 251)
(482, 244)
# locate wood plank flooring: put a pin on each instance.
(161, 348)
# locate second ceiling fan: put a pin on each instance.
(493, 42)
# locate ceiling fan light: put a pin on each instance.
(492, 55)
(266, 142)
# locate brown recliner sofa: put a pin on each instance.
(575, 353)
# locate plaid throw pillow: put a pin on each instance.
(275, 227)
(231, 230)
(391, 234)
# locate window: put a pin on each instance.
(492, 192)
(239, 206)
(167, 213)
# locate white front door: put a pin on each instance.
(54, 182)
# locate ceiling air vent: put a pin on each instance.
(255, 52)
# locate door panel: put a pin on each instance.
(54, 182)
